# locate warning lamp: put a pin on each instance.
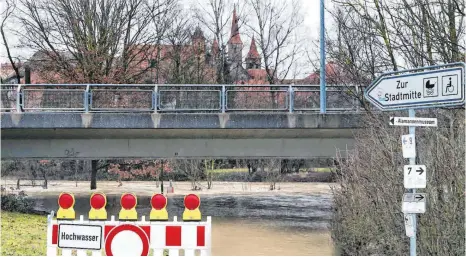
(159, 211)
(98, 202)
(66, 203)
(191, 210)
(128, 203)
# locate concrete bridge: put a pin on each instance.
(34, 128)
(142, 135)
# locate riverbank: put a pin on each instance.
(146, 188)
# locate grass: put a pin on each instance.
(26, 235)
(23, 234)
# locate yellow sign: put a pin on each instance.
(128, 203)
(66, 203)
(191, 211)
(159, 210)
(98, 202)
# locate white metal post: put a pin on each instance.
(412, 161)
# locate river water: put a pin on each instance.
(281, 224)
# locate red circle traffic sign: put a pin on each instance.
(126, 248)
(98, 201)
(158, 201)
(65, 200)
(192, 201)
(128, 201)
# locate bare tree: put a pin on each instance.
(370, 182)
(10, 7)
(193, 168)
(379, 36)
(91, 41)
(274, 25)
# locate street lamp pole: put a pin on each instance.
(323, 94)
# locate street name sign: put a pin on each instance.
(408, 145)
(414, 203)
(414, 122)
(415, 176)
(409, 225)
(79, 236)
(427, 89)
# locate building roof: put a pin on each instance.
(235, 37)
(253, 53)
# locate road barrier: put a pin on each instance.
(128, 236)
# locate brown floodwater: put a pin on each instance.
(254, 238)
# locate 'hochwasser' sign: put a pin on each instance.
(79, 236)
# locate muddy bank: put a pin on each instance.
(148, 188)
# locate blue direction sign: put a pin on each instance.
(443, 86)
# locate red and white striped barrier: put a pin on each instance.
(127, 238)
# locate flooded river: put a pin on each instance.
(281, 224)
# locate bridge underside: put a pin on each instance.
(173, 143)
(145, 135)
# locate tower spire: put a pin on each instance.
(253, 53)
(235, 37)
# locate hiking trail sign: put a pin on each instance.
(426, 89)
(415, 176)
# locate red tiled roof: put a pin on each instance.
(333, 74)
(253, 50)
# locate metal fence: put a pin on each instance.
(174, 98)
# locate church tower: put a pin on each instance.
(198, 41)
(253, 59)
(235, 45)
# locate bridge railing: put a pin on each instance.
(174, 98)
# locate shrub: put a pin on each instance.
(17, 203)
(368, 219)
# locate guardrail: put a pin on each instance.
(174, 98)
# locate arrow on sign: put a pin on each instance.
(419, 197)
(420, 171)
(392, 121)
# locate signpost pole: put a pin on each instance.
(412, 161)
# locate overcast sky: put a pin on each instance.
(311, 22)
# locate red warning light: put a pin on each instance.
(128, 201)
(98, 201)
(192, 201)
(65, 200)
(158, 201)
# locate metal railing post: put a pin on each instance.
(224, 100)
(155, 95)
(18, 98)
(291, 94)
(86, 99)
